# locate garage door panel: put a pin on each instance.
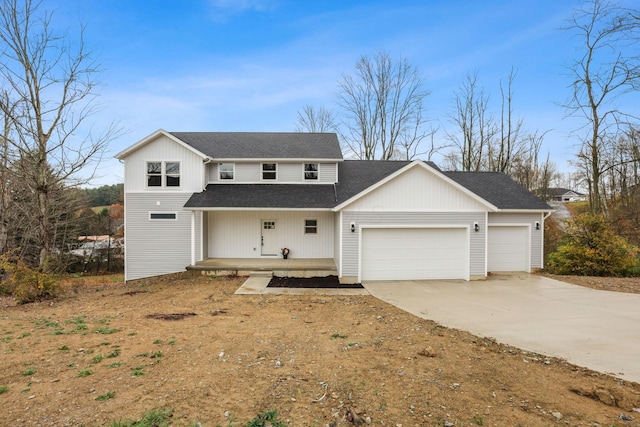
(414, 254)
(508, 248)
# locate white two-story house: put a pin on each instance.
(191, 196)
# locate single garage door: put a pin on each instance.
(414, 253)
(508, 248)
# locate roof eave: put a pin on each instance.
(279, 159)
(512, 210)
(211, 208)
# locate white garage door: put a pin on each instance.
(508, 248)
(414, 253)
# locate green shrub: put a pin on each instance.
(591, 248)
(24, 283)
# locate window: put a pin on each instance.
(170, 170)
(172, 174)
(163, 215)
(269, 171)
(154, 174)
(310, 226)
(226, 170)
(311, 171)
(269, 225)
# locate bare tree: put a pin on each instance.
(50, 82)
(475, 127)
(383, 108)
(511, 143)
(527, 168)
(318, 120)
(608, 67)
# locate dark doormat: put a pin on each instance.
(311, 282)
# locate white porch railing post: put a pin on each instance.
(193, 237)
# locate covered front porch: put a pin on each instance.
(292, 267)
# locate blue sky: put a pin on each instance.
(250, 65)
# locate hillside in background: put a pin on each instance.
(106, 195)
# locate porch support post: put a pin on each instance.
(193, 237)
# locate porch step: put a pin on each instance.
(261, 273)
(266, 266)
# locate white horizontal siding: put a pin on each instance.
(537, 236)
(327, 172)
(417, 190)
(237, 234)
(161, 246)
(350, 244)
(163, 149)
(287, 173)
(290, 172)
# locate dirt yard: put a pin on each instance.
(108, 352)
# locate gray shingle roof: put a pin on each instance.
(291, 196)
(263, 145)
(499, 190)
(358, 175)
(355, 177)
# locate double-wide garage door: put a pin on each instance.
(414, 253)
(508, 248)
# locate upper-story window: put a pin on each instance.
(163, 174)
(311, 171)
(226, 171)
(172, 178)
(154, 174)
(269, 171)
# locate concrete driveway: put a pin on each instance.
(599, 330)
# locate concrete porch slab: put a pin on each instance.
(292, 267)
(257, 285)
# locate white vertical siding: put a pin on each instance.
(536, 237)
(164, 149)
(417, 189)
(161, 246)
(234, 234)
(350, 244)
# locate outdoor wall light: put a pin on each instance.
(476, 227)
(353, 227)
(537, 225)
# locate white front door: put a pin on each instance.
(269, 237)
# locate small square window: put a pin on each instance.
(310, 226)
(226, 170)
(311, 171)
(269, 171)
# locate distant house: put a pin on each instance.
(191, 196)
(90, 245)
(561, 195)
